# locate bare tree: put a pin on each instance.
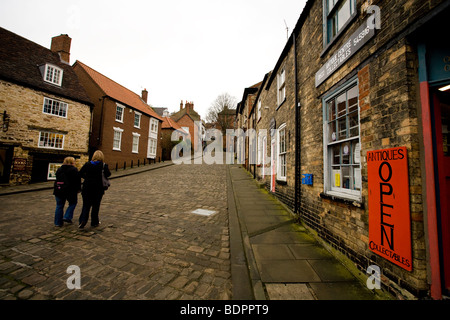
(222, 111)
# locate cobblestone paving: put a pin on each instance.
(149, 245)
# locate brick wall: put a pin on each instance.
(283, 114)
(125, 156)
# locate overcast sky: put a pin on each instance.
(178, 50)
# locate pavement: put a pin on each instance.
(272, 256)
(283, 260)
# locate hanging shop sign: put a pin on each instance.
(356, 41)
(389, 210)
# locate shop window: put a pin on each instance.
(51, 140)
(342, 157)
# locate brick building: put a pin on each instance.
(186, 118)
(168, 127)
(46, 111)
(124, 127)
(371, 130)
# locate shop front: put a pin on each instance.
(434, 78)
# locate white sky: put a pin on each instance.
(178, 50)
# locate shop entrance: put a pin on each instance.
(6, 154)
(441, 108)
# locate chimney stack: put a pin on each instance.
(61, 45)
(144, 95)
(181, 105)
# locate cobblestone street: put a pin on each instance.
(149, 244)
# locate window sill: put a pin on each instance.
(281, 182)
(349, 200)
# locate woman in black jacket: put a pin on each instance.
(93, 190)
(66, 188)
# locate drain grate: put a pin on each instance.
(204, 212)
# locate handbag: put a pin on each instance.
(105, 181)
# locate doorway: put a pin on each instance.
(6, 155)
(441, 108)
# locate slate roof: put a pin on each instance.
(118, 92)
(20, 60)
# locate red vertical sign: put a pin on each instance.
(389, 210)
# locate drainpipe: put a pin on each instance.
(100, 128)
(297, 132)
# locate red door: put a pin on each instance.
(442, 127)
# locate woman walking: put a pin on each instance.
(66, 188)
(93, 190)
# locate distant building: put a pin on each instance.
(167, 128)
(186, 118)
(124, 127)
(45, 110)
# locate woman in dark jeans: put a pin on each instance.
(93, 190)
(66, 188)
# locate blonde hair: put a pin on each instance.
(98, 156)
(69, 160)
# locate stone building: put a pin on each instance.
(371, 137)
(124, 127)
(245, 121)
(46, 111)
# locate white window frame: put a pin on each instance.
(349, 147)
(281, 153)
(53, 74)
(281, 85)
(135, 146)
(52, 168)
(119, 106)
(137, 115)
(50, 140)
(154, 126)
(120, 132)
(54, 107)
(152, 147)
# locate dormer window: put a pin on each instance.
(53, 74)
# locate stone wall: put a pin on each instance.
(25, 108)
